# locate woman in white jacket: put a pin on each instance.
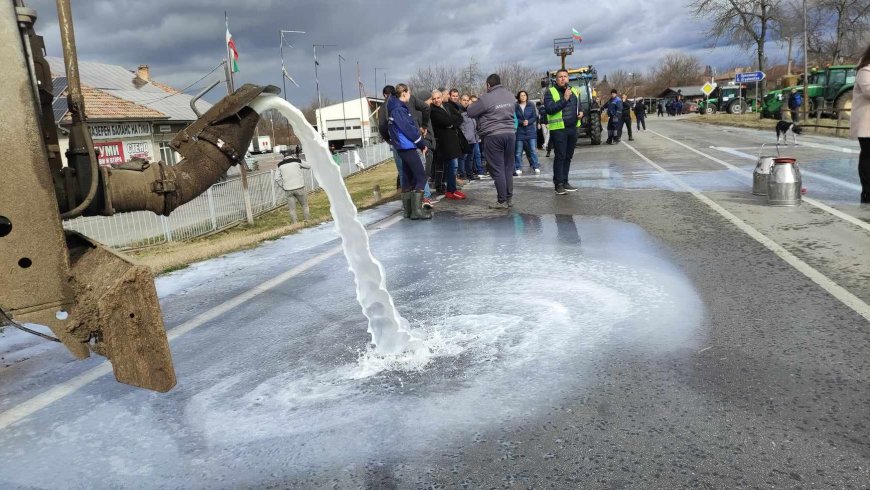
(861, 122)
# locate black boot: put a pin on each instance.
(865, 198)
(417, 210)
(407, 202)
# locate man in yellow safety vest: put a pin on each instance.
(562, 105)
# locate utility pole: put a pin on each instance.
(806, 104)
(319, 99)
(362, 119)
(341, 82)
(243, 165)
(375, 87)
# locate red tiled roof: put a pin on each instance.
(102, 106)
(164, 87)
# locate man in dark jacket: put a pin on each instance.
(562, 105)
(614, 117)
(640, 114)
(446, 120)
(626, 117)
(495, 124)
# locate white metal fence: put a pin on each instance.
(221, 206)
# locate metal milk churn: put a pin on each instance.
(761, 175)
(784, 183)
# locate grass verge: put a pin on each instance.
(178, 255)
(751, 120)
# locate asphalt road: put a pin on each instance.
(660, 328)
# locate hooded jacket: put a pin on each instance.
(404, 134)
(494, 112)
(525, 133)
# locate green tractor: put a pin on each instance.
(730, 98)
(829, 87)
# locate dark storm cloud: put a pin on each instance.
(182, 40)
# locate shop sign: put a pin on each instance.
(119, 130)
(111, 152)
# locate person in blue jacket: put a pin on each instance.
(527, 119)
(614, 117)
(409, 143)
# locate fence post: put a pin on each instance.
(273, 185)
(249, 210)
(211, 211)
(167, 230)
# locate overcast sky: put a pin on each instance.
(182, 40)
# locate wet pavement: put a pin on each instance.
(629, 335)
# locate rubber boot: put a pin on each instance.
(407, 202)
(417, 211)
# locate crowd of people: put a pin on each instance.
(443, 139)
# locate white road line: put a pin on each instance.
(837, 291)
(826, 178)
(804, 142)
(76, 383)
(812, 202)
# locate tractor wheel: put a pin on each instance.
(736, 107)
(710, 109)
(843, 106)
(595, 133)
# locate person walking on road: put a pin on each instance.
(447, 120)
(626, 117)
(614, 117)
(291, 178)
(795, 101)
(661, 109)
(527, 117)
(545, 129)
(640, 114)
(495, 122)
(861, 122)
(409, 143)
(562, 104)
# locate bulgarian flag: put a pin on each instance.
(574, 34)
(231, 50)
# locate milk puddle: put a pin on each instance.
(390, 333)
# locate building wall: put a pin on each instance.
(121, 141)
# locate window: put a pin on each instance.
(167, 154)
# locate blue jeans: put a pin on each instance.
(398, 159)
(472, 161)
(530, 146)
(450, 174)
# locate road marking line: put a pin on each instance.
(826, 178)
(837, 291)
(812, 202)
(821, 146)
(70, 386)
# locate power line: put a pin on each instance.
(185, 88)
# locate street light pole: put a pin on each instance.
(284, 70)
(317, 83)
(375, 87)
(341, 82)
(806, 103)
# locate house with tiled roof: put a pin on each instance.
(129, 114)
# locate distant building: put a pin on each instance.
(689, 92)
(349, 123)
(129, 115)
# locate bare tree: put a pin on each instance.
(430, 77)
(676, 69)
(517, 76)
(620, 80)
(788, 28)
(471, 78)
(747, 23)
(846, 22)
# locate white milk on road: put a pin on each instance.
(391, 334)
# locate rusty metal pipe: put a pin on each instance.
(210, 146)
(80, 138)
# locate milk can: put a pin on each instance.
(784, 183)
(762, 172)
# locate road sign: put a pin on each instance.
(708, 88)
(749, 77)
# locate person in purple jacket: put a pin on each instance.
(408, 142)
(527, 118)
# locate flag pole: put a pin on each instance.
(231, 86)
(362, 122)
